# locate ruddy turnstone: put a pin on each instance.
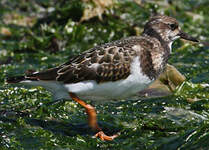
(115, 70)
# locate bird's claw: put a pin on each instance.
(104, 137)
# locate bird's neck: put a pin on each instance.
(165, 43)
(159, 55)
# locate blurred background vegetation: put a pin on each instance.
(40, 34)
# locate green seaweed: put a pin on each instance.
(54, 34)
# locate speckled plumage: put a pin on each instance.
(109, 62)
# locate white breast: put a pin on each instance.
(121, 89)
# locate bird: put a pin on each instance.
(111, 71)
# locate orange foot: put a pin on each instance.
(104, 137)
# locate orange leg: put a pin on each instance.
(92, 119)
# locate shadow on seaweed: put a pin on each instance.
(57, 127)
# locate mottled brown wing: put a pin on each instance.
(108, 62)
(103, 63)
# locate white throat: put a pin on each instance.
(170, 46)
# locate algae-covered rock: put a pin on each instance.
(165, 84)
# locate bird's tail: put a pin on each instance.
(31, 75)
(15, 79)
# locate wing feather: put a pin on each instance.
(108, 62)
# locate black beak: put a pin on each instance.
(185, 36)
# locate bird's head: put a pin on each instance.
(166, 28)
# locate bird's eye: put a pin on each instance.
(173, 26)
